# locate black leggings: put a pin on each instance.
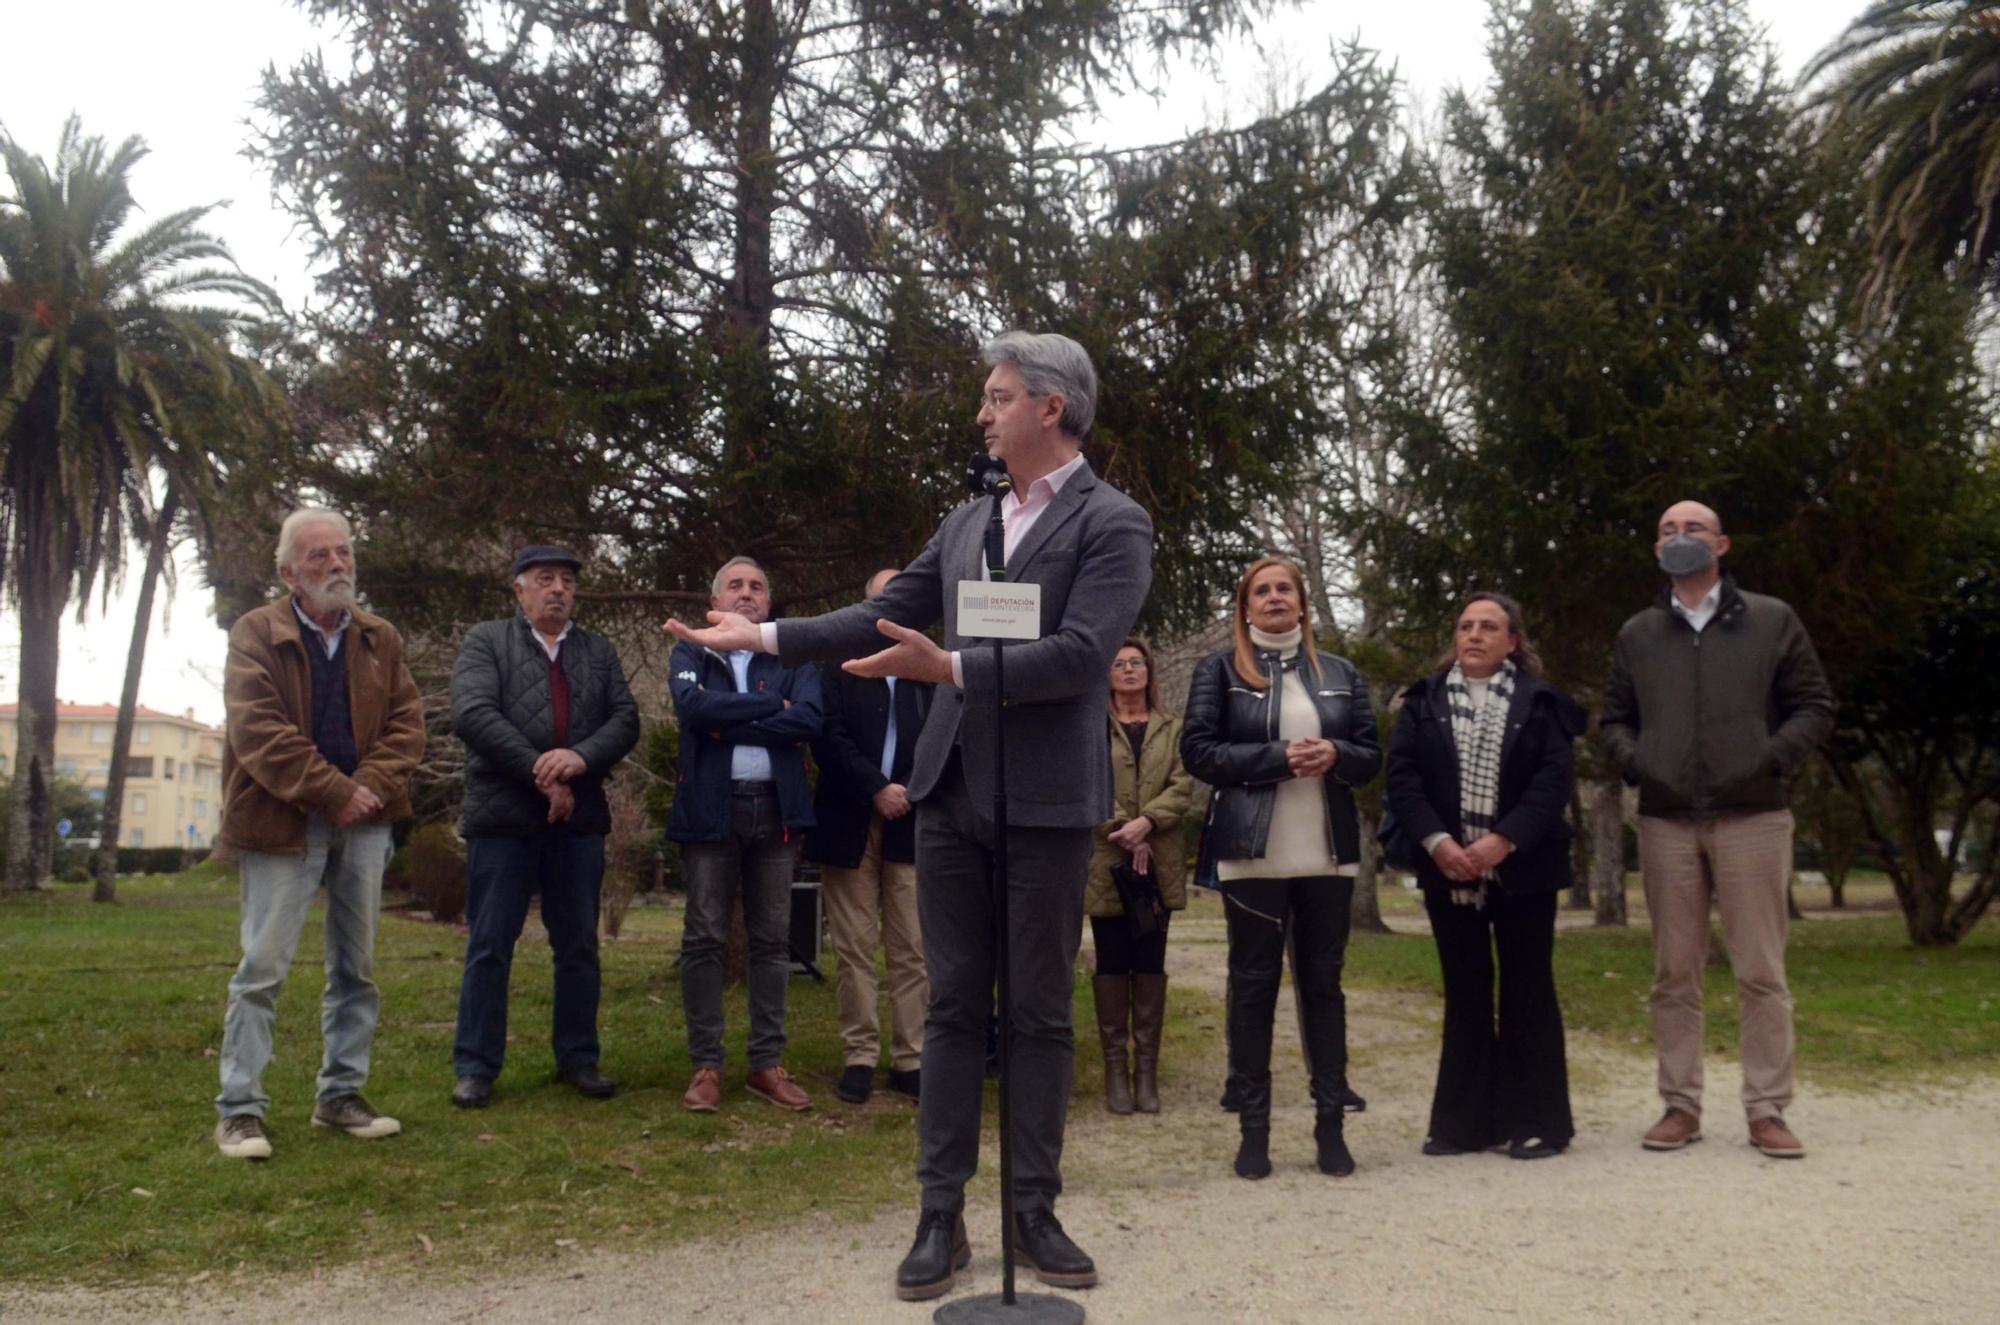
(1267, 917)
(1118, 953)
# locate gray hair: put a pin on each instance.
(715, 585)
(288, 532)
(1051, 365)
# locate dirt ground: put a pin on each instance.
(1891, 1217)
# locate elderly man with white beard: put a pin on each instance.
(325, 726)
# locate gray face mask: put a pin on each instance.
(1684, 555)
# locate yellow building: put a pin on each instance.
(173, 784)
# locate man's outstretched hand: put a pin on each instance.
(913, 657)
(725, 633)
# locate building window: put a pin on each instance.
(184, 738)
(167, 767)
(100, 734)
(138, 802)
(138, 766)
(200, 808)
(137, 838)
(143, 735)
(65, 768)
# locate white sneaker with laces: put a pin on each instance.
(241, 1136)
(355, 1116)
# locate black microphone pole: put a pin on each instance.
(988, 474)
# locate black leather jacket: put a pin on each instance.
(1230, 740)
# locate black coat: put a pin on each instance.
(504, 711)
(849, 754)
(1537, 770)
(1229, 739)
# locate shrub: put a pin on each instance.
(157, 860)
(434, 865)
(631, 852)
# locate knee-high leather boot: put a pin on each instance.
(1149, 1017)
(1114, 1010)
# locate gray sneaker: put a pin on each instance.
(241, 1136)
(355, 1116)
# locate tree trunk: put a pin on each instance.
(1835, 871)
(104, 861)
(1580, 855)
(1366, 915)
(30, 834)
(1606, 811)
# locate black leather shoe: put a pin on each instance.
(590, 1083)
(1044, 1248)
(939, 1253)
(1534, 1147)
(472, 1092)
(907, 1083)
(856, 1084)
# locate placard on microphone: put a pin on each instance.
(987, 610)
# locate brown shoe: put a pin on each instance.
(776, 1085)
(704, 1093)
(1773, 1138)
(1676, 1129)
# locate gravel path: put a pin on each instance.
(1891, 1217)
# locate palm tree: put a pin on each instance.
(1913, 88)
(110, 338)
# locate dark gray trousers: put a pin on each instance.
(756, 857)
(1046, 870)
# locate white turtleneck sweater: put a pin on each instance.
(1298, 845)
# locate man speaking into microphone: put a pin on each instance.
(1088, 548)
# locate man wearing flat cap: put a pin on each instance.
(545, 714)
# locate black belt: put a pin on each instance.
(749, 787)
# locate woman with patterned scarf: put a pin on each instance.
(1480, 771)
(1283, 733)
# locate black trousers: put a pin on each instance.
(1046, 869)
(1499, 1079)
(1311, 917)
(1118, 953)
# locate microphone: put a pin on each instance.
(986, 475)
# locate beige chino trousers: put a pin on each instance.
(876, 902)
(1742, 861)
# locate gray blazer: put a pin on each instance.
(1092, 554)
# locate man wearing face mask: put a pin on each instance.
(1716, 698)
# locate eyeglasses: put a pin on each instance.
(999, 400)
(1129, 665)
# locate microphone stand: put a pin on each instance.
(1007, 1306)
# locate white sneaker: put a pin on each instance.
(241, 1136)
(355, 1116)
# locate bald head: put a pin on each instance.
(1691, 516)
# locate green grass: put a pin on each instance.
(1871, 1011)
(110, 1019)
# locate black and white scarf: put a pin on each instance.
(1479, 733)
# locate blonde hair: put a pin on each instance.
(1246, 651)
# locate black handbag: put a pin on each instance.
(1145, 908)
(1398, 851)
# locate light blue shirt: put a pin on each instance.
(328, 640)
(747, 763)
(889, 736)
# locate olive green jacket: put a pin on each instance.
(1159, 787)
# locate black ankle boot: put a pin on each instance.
(1333, 1154)
(1253, 1156)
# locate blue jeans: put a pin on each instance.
(277, 891)
(501, 875)
(757, 856)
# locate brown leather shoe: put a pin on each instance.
(704, 1093)
(1773, 1138)
(776, 1085)
(1676, 1129)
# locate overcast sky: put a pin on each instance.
(187, 85)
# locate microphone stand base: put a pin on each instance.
(1027, 1309)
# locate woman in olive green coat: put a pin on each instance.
(1153, 791)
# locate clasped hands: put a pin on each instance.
(553, 772)
(363, 804)
(1130, 837)
(1468, 864)
(1311, 757)
(913, 656)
